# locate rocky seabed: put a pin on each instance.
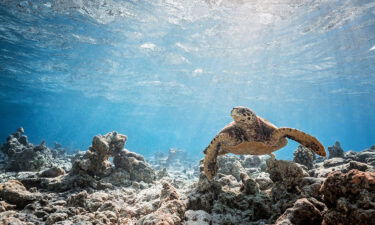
(108, 184)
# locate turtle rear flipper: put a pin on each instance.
(301, 137)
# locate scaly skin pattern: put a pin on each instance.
(249, 134)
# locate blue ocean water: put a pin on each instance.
(167, 73)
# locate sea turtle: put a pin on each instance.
(253, 135)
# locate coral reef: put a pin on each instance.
(248, 190)
(94, 191)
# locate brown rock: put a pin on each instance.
(170, 212)
(168, 193)
(304, 211)
(15, 193)
(358, 165)
(249, 186)
(53, 172)
(350, 197)
(4, 206)
(286, 172)
(349, 184)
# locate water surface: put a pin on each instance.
(167, 73)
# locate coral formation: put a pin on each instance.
(135, 165)
(304, 156)
(228, 200)
(94, 169)
(95, 161)
(24, 156)
(366, 156)
(336, 151)
(287, 173)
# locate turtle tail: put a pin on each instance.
(304, 139)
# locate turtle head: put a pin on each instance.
(242, 114)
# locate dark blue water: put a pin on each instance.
(167, 73)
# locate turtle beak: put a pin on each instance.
(231, 112)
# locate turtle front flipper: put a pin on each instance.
(212, 151)
(301, 137)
